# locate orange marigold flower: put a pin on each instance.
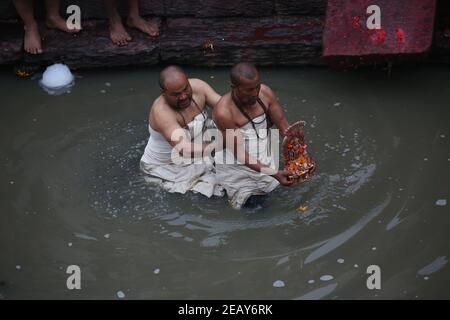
(300, 160)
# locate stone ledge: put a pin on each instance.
(213, 42)
(266, 41)
(276, 40)
(167, 8)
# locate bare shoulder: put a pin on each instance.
(222, 113)
(203, 88)
(158, 106)
(268, 96)
(223, 107)
(160, 113)
(267, 91)
(198, 84)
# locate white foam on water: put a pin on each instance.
(85, 237)
(57, 79)
(120, 294)
(340, 260)
(441, 202)
(57, 75)
(278, 284)
(326, 277)
(311, 281)
(156, 271)
(18, 267)
(175, 234)
(107, 236)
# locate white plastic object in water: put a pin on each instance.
(57, 79)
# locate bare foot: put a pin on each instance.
(118, 34)
(148, 27)
(32, 40)
(57, 22)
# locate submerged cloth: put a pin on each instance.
(164, 166)
(239, 181)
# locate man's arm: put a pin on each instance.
(224, 121)
(275, 111)
(166, 123)
(211, 96)
(232, 139)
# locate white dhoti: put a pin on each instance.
(164, 166)
(239, 181)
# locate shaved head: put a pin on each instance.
(175, 87)
(170, 73)
(245, 70)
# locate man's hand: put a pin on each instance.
(283, 178)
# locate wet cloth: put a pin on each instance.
(163, 165)
(239, 181)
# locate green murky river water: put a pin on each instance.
(72, 194)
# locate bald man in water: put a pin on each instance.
(177, 117)
(248, 111)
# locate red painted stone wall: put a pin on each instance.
(269, 32)
(406, 28)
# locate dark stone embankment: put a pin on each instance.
(202, 33)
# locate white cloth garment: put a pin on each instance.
(239, 181)
(164, 166)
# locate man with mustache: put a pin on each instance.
(247, 112)
(177, 122)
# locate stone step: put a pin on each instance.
(282, 40)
